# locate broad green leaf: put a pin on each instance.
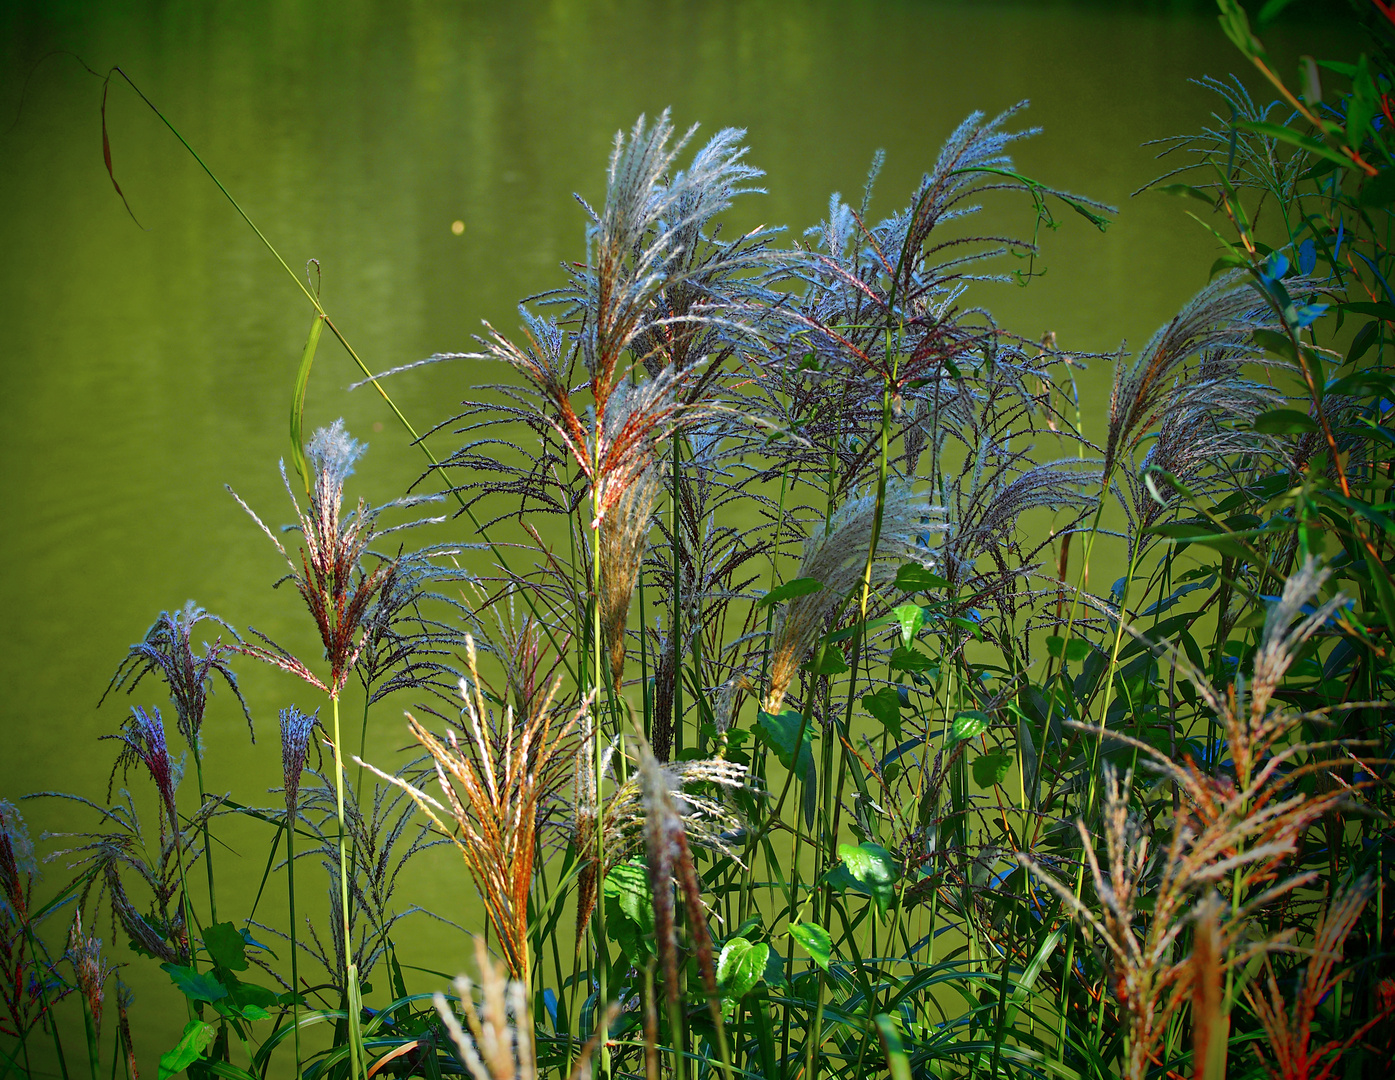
(885, 705)
(1275, 342)
(786, 733)
(250, 994)
(873, 868)
(739, 967)
(910, 660)
(1359, 382)
(990, 769)
(1376, 309)
(195, 985)
(800, 586)
(814, 940)
(1284, 422)
(913, 578)
(1361, 343)
(911, 618)
(226, 946)
(968, 724)
(832, 662)
(1076, 649)
(197, 1037)
(630, 910)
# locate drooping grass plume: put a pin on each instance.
(168, 649)
(835, 557)
(1221, 317)
(623, 535)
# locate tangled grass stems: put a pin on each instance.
(680, 361)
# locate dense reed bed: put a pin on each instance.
(795, 740)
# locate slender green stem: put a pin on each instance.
(207, 842)
(350, 971)
(291, 817)
(602, 952)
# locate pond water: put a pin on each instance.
(147, 364)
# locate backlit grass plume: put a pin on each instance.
(1219, 317)
(496, 780)
(332, 573)
(499, 1042)
(1289, 1052)
(706, 819)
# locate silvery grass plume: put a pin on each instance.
(655, 286)
(384, 840)
(405, 646)
(331, 576)
(863, 279)
(987, 510)
(168, 649)
(496, 1040)
(707, 821)
(836, 557)
(1290, 1052)
(1205, 433)
(670, 860)
(496, 783)
(614, 451)
(643, 246)
(1222, 316)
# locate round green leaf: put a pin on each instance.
(739, 967)
(968, 725)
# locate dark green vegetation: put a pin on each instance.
(797, 741)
